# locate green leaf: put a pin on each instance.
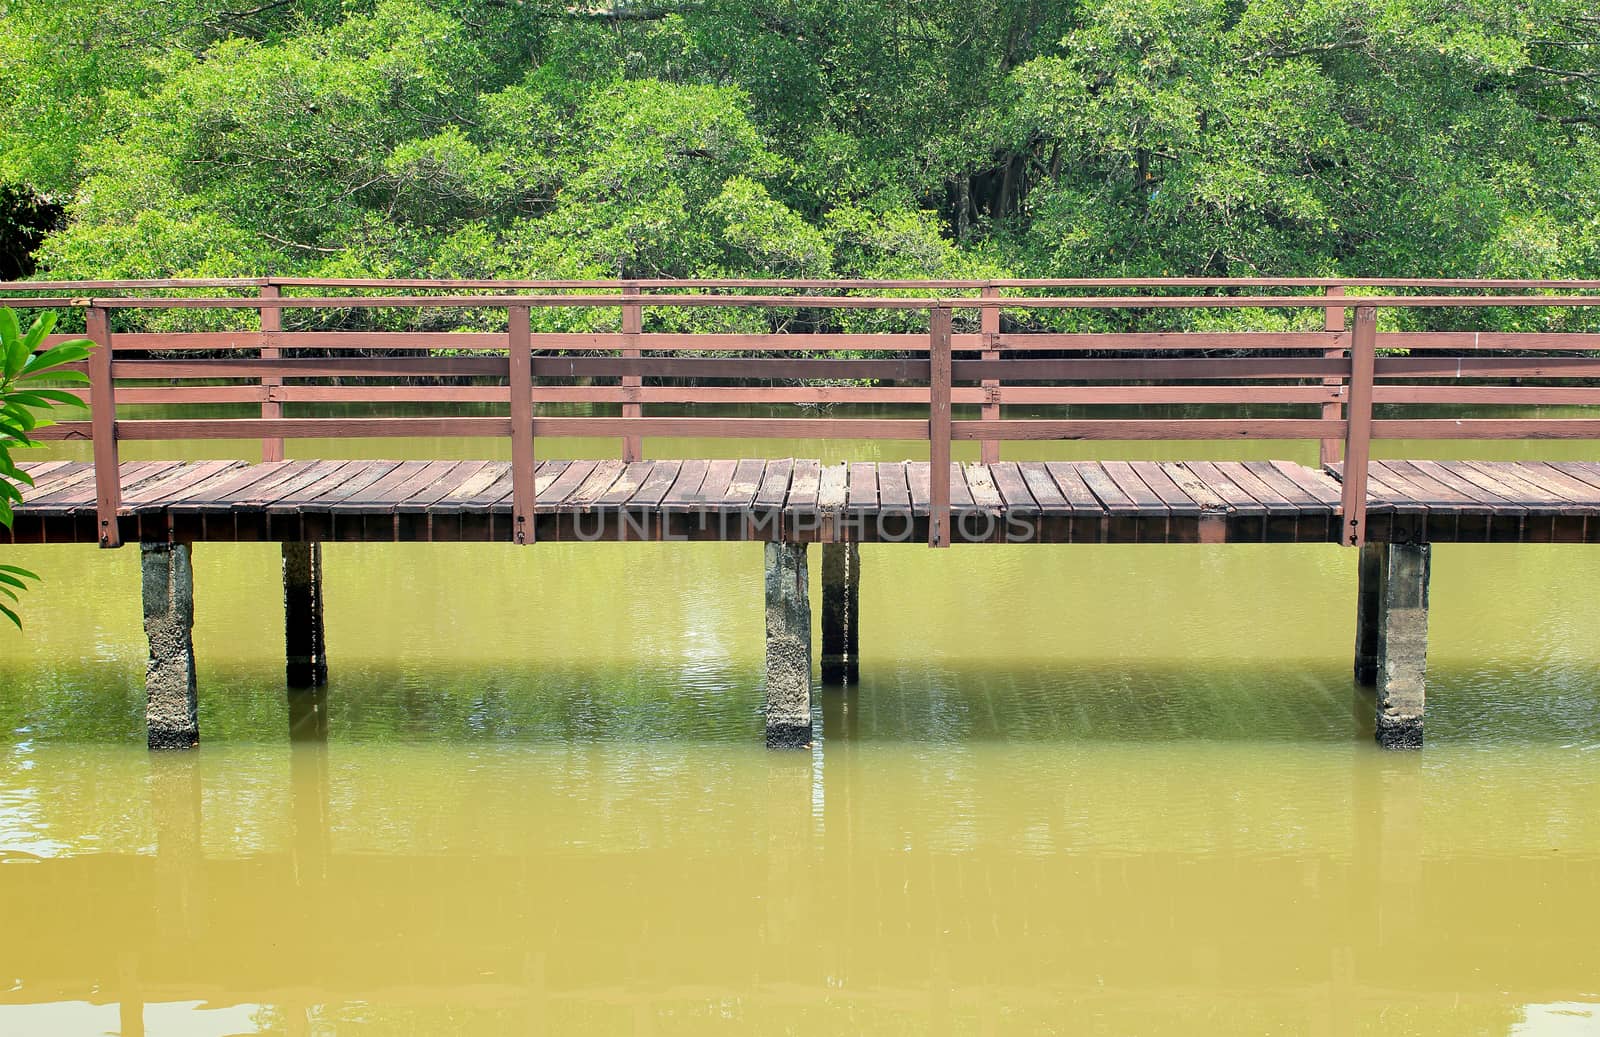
(65, 353)
(42, 326)
(45, 399)
(7, 580)
(15, 619)
(18, 570)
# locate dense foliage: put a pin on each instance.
(543, 138)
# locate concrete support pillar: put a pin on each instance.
(1369, 590)
(841, 611)
(1403, 646)
(172, 719)
(302, 615)
(788, 646)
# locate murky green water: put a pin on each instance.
(1080, 789)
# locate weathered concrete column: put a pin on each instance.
(1403, 646)
(306, 650)
(1369, 591)
(172, 719)
(788, 646)
(841, 611)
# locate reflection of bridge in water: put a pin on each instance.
(1328, 384)
(813, 906)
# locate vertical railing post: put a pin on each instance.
(1333, 320)
(939, 322)
(523, 499)
(1358, 434)
(271, 408)
(989, 325)
(632, 325)
(103, 424)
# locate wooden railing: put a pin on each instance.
(1335, 373)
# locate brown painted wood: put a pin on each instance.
(103, 393)
(1334, 320)
(632, 325)
(1148, 429)
(989, 327)
(524, 498)
(1359, 433)
(271, 324)
(940, 367)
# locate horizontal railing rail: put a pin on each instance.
(1329, 379)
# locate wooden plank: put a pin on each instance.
(1170, 493)
(425, 496)
(656, 485)
(686, 488)
(220, 494)
(380, 494)
(1530, 480)
(719, 476)
(1047, 496)
(80, 490)
(1523, 490)
(564, 485)
(981, 485)
(290, 478)
(332, 495)
(833, 488)
(775, 483)
(1111, 497)
(156, 481)
(918, 482)
(1579, 494)
(804, 485)
(1321, 487)
(1478, 496)
(862, 487)
(1238, 499)
(1069, 478)
(1290, 490)
(1269, 498)
(1013, 488)
(486, 485)
(425, 478)
(1127, 480)
(603, 476)
(894, 492)
(960, 493)
(745, 484)
(293, 501)
(1195, 488)
(628, 483)
(57, 479)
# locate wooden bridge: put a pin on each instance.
(506, 359)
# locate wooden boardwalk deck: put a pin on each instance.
(804, 500)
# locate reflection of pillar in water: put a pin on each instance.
(175, 797)
(308, 714)
(308, 797)
(841, 613)
(790, 921)
(304, 643)
(130, 1002)
(1386, 881)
